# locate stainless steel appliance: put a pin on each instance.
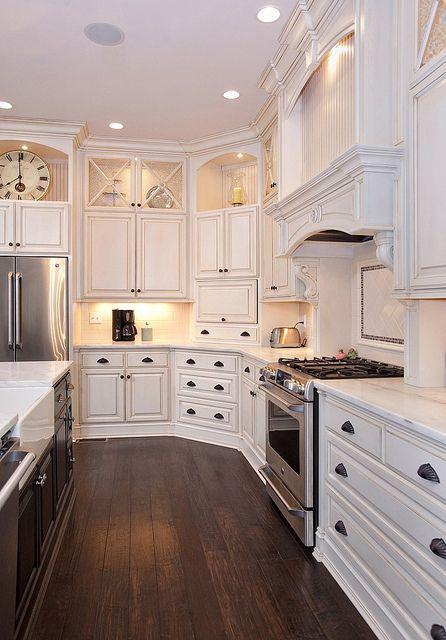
(291, 445)
(13, 465)
(123, 325)
(33, 309)
(282, 337)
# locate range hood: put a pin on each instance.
(333, 235)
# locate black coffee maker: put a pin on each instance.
(123, 325)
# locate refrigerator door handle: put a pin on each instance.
(18, 310)
(10, 310)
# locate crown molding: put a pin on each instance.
(33, 128)
(221, 141)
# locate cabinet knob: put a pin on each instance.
(11, 244)
(348, 427)
(190, 361)
(17, 244)
(273, 185)
(139, 204)
(427, 472)
(247, 370)
(191, 412)
(132, 204)
(340, 528)
(220, 271)
(204, 332)
(261, 378)
(438, 547)
(245, 334)
(273, 287)
(191, 383)
(138, 291)
(102, 361)
(226, 270)
(128, 376)
(341, 470)
(132, 290)
(218, 364)
(438, 632)
(219, 387)
(218, 416)
(122, 377)
(223, 319)
(147, 360)
(72, 459)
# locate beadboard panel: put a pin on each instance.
(327, 110)
(58, 190)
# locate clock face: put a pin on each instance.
(23, 176)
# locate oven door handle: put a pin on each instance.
(282, 403)
(295, 509)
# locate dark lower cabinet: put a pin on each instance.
(28, 540)
(47, 499)
(60, 447)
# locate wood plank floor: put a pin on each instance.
(176, 540)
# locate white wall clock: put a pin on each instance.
(23, 176)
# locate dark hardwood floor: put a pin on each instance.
(175, 540)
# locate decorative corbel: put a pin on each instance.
(384, 248)
(311, 293)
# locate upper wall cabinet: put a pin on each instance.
(226, 243)
(129, 183)
(270, 152)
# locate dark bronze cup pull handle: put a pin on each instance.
(205, 332)
(147, 360)
(341, 470)
(191, 384)
(102, 361)
(348, 427)
(245, 334)
(191, 412)
(340, 528)
(219, 387)
(438, 546)
(218, 416)
(218, 364)
(262, 378)
(427, 472)
(190, 361)
(247, 370)
(438, 632)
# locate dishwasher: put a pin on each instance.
(13, 466)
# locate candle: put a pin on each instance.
(237, 196)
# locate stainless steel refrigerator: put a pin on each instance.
(33, 309)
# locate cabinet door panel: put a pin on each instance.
(60, 447)
(241, 243)
(42, 228)
(260, 423)
(277, 281)
(102, 398)
(109, 255)
(209, 242)
(7, 237)
(146, 395)
(162, 256)
(28, 544)
(47, 498)
(247, 410)
(233, 301)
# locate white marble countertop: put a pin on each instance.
(8, 418)
(261, 353)
(421, 410)
(32, 374)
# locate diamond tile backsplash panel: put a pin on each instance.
(381, 317)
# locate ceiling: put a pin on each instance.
(165, 81)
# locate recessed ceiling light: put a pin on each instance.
(25, 147)
(240, 155)
(232, 94)
(116, 125)
(268, 14)
(5, 105)
(104, 34)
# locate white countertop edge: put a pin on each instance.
(33, 374)
(7, 422)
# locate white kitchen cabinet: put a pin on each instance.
(162, 268)
(270, 163)
(102, 396)
(260, 423)
(247, 410)
(146, 395)
(277, 277)
(253, 416)
(226, 243)
(234, 301)
(109, 258)
(7, 227)
(42, 227)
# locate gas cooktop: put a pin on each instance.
(332, 369)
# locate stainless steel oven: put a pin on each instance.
(289, 456)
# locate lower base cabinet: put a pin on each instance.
(146, 395)
(253, 416)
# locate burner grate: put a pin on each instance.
(331, 368)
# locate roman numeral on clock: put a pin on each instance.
(39, 188)
(44, 178)
(9, 157)
(8, 194)
(42, 166)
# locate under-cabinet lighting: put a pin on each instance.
(268, 14)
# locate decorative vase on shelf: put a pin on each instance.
(237, 194)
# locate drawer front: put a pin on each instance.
(105, 359)
(206, 361)
(354, 427)
(227, 302)
(415, 530)
(361, 541)
(417, 462)
(248, 369)
(218, 387)
(210, 332)
(147, 359)
(223, 417)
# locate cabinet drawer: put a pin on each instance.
(103, 359)
(213, 415)
(227, 302)
(216, 387)
(240, 333)
(206, 361)
(381, 570)
(415, 528)
(147, 359)
(414, 459)
(354, 426)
